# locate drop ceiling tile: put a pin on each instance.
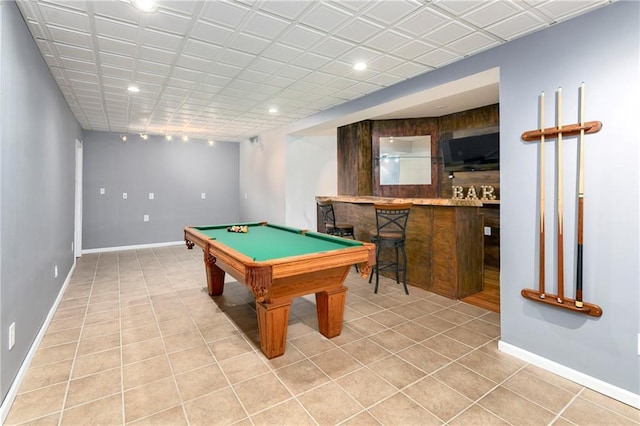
(333, 47)
(116, 60)
(64, 35)
(472, 43)
(493, 12)
(337, 68)
(341, 83)
(143, 78)
(211, 33)
(180, 6)
(116, 10)
(282, 53)
(458, 7)
(265, 26)
(201, 49)
(517, 25)
(192, 62)
(186, 74)
(267, 65)
(186, 85)
(168, 22)
(150, 67)
(225, 70)
(249, 44)
(424, 20)
(358, 54)
(286, 9)
(75, 52)
(301, 37)
(311, 61)
(65, 17)
(437, 58)
(324, 17)
(72, 64)
(116, 29)
(566, 9)
(118, 84)
(319, 77)
(46, 47)
(388, 41)
(280, 82)
(157, 55)
(389, 12)
(36, 30)
(120, 47)
(225, 13)
(383, 63)
(293, 72)
(122, 73)
(216, 79)
(359, 30)
(161, 39)
(449, 33)
(385, 80)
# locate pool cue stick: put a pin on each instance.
(580, 201)
(542, 261)
(559, 193)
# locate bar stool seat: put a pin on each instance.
(390, 233)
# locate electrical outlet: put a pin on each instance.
(124, 195)
(145, 218)
(102, 191)
(12, 335)
(487, 230)
(203, 195)
(151, 195)
(55, 271)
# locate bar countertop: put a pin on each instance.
(416, 201)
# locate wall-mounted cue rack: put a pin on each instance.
(559, 300)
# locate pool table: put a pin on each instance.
(278, 263)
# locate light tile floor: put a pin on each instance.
(137, 340)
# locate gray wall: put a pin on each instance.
(602, 49)
(37, 166)
(174, 171)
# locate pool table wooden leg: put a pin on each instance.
(330, 307)
(215, 275)
(273, 319)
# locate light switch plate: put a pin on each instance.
(151, 195)
(487, 230)
(124, 195)
(102, 191)
(145, 218)
(203, 195)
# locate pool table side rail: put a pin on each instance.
(363, 255)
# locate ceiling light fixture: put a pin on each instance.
(144, 136)
(145, 5)
(185, 138)
(211, 143)
(133, 89)
(360, 66)
(124, 138)
(273, 110)
(169, 137)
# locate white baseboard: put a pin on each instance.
(17, 381)
(597, 385)
(135, 247)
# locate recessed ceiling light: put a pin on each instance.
(359, 66)
(169, 137)
(273, 110)
(133, 89)
(211, 143)
(185, 138)
(145, 5)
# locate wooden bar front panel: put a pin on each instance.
(444, 245)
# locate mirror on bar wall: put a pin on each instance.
(405, 160)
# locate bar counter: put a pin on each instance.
(444, 240)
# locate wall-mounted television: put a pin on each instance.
(471, 152)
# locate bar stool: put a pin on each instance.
(390, 232)
(332, 227)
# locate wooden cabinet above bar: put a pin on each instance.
(444, 240)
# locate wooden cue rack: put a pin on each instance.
(557, 132)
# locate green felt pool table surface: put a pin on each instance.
(269, 241)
